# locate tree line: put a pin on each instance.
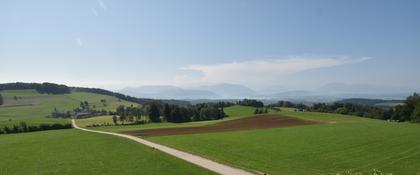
(23, 127)
(352, 109)
(154, 112)
(44, 88)
(129, 114)
(251, 102)
(288, 104)
(198, 112)
(285, 104)
(52, 88)
(408, 111)
(157, 112)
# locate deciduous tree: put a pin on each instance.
(1, 100)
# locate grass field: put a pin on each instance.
(342, 143)
(32, 107)
(239, 111)
(233, 112)
(78, 152)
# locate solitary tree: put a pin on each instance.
(121, 111)
(123, 118)
(115, 119)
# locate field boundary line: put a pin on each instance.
(194, 159)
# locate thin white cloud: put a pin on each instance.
(262, 71)
(102, 4)
(94, 12)
(79, 42)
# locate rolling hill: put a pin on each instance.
(371, 102)
(33, 108)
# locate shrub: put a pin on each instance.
(23, 127)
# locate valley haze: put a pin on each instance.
(328, 93)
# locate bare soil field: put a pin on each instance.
(249, 123)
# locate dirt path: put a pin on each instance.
(249, 123)
(197, 160)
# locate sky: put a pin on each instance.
(283, 44)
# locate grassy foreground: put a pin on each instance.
(78, 152)
(342, 143)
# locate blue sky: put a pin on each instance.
(285, 44)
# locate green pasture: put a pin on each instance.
(239, 111)
(72, 151)
(33, 108)
(341, 143)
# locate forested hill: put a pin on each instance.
(51, 88)
(126, 97)
(369, 102)
(44, 88)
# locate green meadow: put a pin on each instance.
(239, 111)
(342, 143)
(72, 151)
(33, 108)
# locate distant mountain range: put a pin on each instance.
(230, 90)
(218, 91)
(327, 93)
(168, 92)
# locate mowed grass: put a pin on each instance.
(342, 143)
(32, 107)
(239, 111)
(322, 117)
(77, 152)
(233, 112)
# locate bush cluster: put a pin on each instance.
(261, 111)
(408, 111)
(23, 127)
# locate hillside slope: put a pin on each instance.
(33, 108)
(370, 102)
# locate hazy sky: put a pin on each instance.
(290, 44)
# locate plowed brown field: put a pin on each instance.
(249, 123)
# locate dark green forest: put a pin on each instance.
(158, 112)
(44, 88)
